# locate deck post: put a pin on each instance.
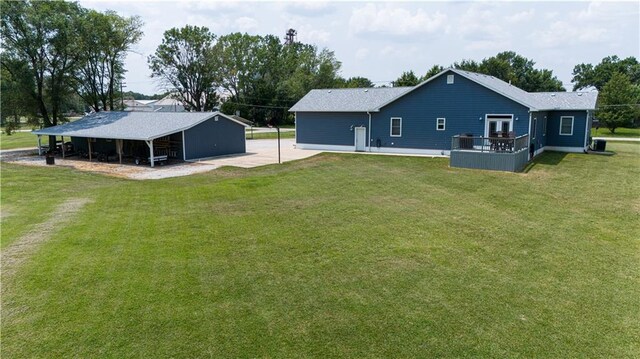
(89, 142)
(62, 137)
(39, 145)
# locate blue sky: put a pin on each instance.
(380, 40)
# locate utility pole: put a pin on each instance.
(121, 96)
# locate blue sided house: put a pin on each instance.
(478, 120)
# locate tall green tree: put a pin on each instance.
(618, 102)
(354, 82)
(239, 62)
(14, 104)
(588, 75)
(515, 69)
(187, 62)
(434, 70)
(106, 39)
(408, 78)
(42, 35)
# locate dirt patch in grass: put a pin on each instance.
(18, 252)
(30, 158)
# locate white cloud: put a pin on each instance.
(521, 16)
(313, 36)
(362, 53)
(246, 24)
(394, 20)
(480, 30)
(212, 6)
(551, 15)
(563, 34)
(308, 8)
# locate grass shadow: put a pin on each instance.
(546, 158)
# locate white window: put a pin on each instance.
(534, 127)
(396, 127)
(566, 125)
(440, 124)
(449, 79)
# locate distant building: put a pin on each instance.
(166, 104)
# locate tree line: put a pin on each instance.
(58, 56)
(258, 76)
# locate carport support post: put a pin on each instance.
(62, 137)
(39, 145)
(150, 144)
(119, 148)
(89, 142)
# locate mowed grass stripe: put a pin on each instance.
(344, 255)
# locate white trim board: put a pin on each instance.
(410, 151)
(564, 149)
(319, 147)
(393, 150)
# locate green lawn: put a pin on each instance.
(620, 132)
(271, 135)
(339, 255)
(20, 140)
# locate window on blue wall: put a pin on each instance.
(544, 126)
(440, 124)
(449, 79)
(396, 127)
(566, 125)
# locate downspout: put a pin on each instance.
(530, 139)
(586, 132)
(369, 145)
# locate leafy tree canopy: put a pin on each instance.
(354, 82)
(434, 70)
(408, 78)
(186, 62)
(516, 69)
(618, 102)
(588, 75)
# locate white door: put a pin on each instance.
(361, 138)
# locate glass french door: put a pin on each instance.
(499, 125)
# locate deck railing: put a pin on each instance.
(490, 144)
(490, 153)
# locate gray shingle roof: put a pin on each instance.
(499, 86)
(356, 100)
(347, 100)
(130, 125)
(565, 100)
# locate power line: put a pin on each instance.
(263, 106)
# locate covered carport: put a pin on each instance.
(151, 136)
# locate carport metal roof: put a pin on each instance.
(142, 126)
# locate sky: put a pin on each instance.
(380, 40)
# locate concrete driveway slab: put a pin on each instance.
(260, 153)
